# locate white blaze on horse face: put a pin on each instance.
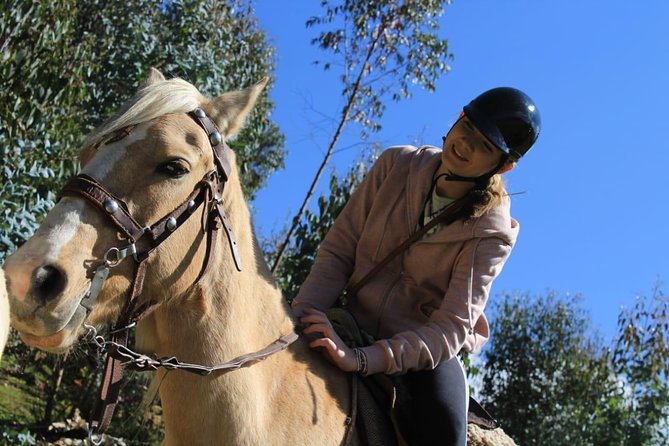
(44, 247)
(61, 234)
(108, 156)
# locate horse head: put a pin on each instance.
(154, 178)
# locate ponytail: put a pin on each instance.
(487, 197)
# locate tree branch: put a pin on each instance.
(340, 127)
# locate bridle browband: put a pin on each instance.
(208, 192)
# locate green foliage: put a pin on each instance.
(39, 388)
(549, 381)
(538, 368)
(385, 47)
(641, 359)
(66, 65)
(42, 81)
(17, 438)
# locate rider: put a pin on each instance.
(426, 305)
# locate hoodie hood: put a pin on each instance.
(496, 223)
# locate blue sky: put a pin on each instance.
(593, 216)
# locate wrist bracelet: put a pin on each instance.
(361, 359)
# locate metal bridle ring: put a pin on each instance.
(117, 257)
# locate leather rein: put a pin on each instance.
(208, 192)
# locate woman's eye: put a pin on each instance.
(173, 169)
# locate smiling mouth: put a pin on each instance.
(458, 154)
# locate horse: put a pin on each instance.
(4, 313)
(202, 306)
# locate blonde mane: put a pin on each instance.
(160, 98)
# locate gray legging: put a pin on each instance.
(437, 405)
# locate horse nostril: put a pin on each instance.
(47, 283)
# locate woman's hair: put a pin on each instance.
(488, 197)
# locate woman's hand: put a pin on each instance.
(334, 348)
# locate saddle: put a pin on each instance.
(372, 398)
(376, 417)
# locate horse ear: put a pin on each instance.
(230, 110)
(153, 77)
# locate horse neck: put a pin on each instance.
(229, 312)
(247, 306)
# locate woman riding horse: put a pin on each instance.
(425, 304)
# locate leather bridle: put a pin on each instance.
(208, 192)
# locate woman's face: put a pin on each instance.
(466, 152)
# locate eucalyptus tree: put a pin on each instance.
(549, 379)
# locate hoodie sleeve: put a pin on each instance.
(335, 259)
(452, 326)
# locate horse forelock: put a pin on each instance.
(158, 99)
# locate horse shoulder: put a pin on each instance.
(313, 393)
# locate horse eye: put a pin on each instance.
(173, 169)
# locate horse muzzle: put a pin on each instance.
(39, 311)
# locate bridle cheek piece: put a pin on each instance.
(208, 192)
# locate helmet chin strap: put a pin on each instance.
(480, 180)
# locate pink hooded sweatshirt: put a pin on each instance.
(427, 305)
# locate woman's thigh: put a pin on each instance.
(438, 404)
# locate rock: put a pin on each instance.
(477, 436)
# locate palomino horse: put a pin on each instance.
(149, 159)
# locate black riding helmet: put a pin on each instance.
(508, 118)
